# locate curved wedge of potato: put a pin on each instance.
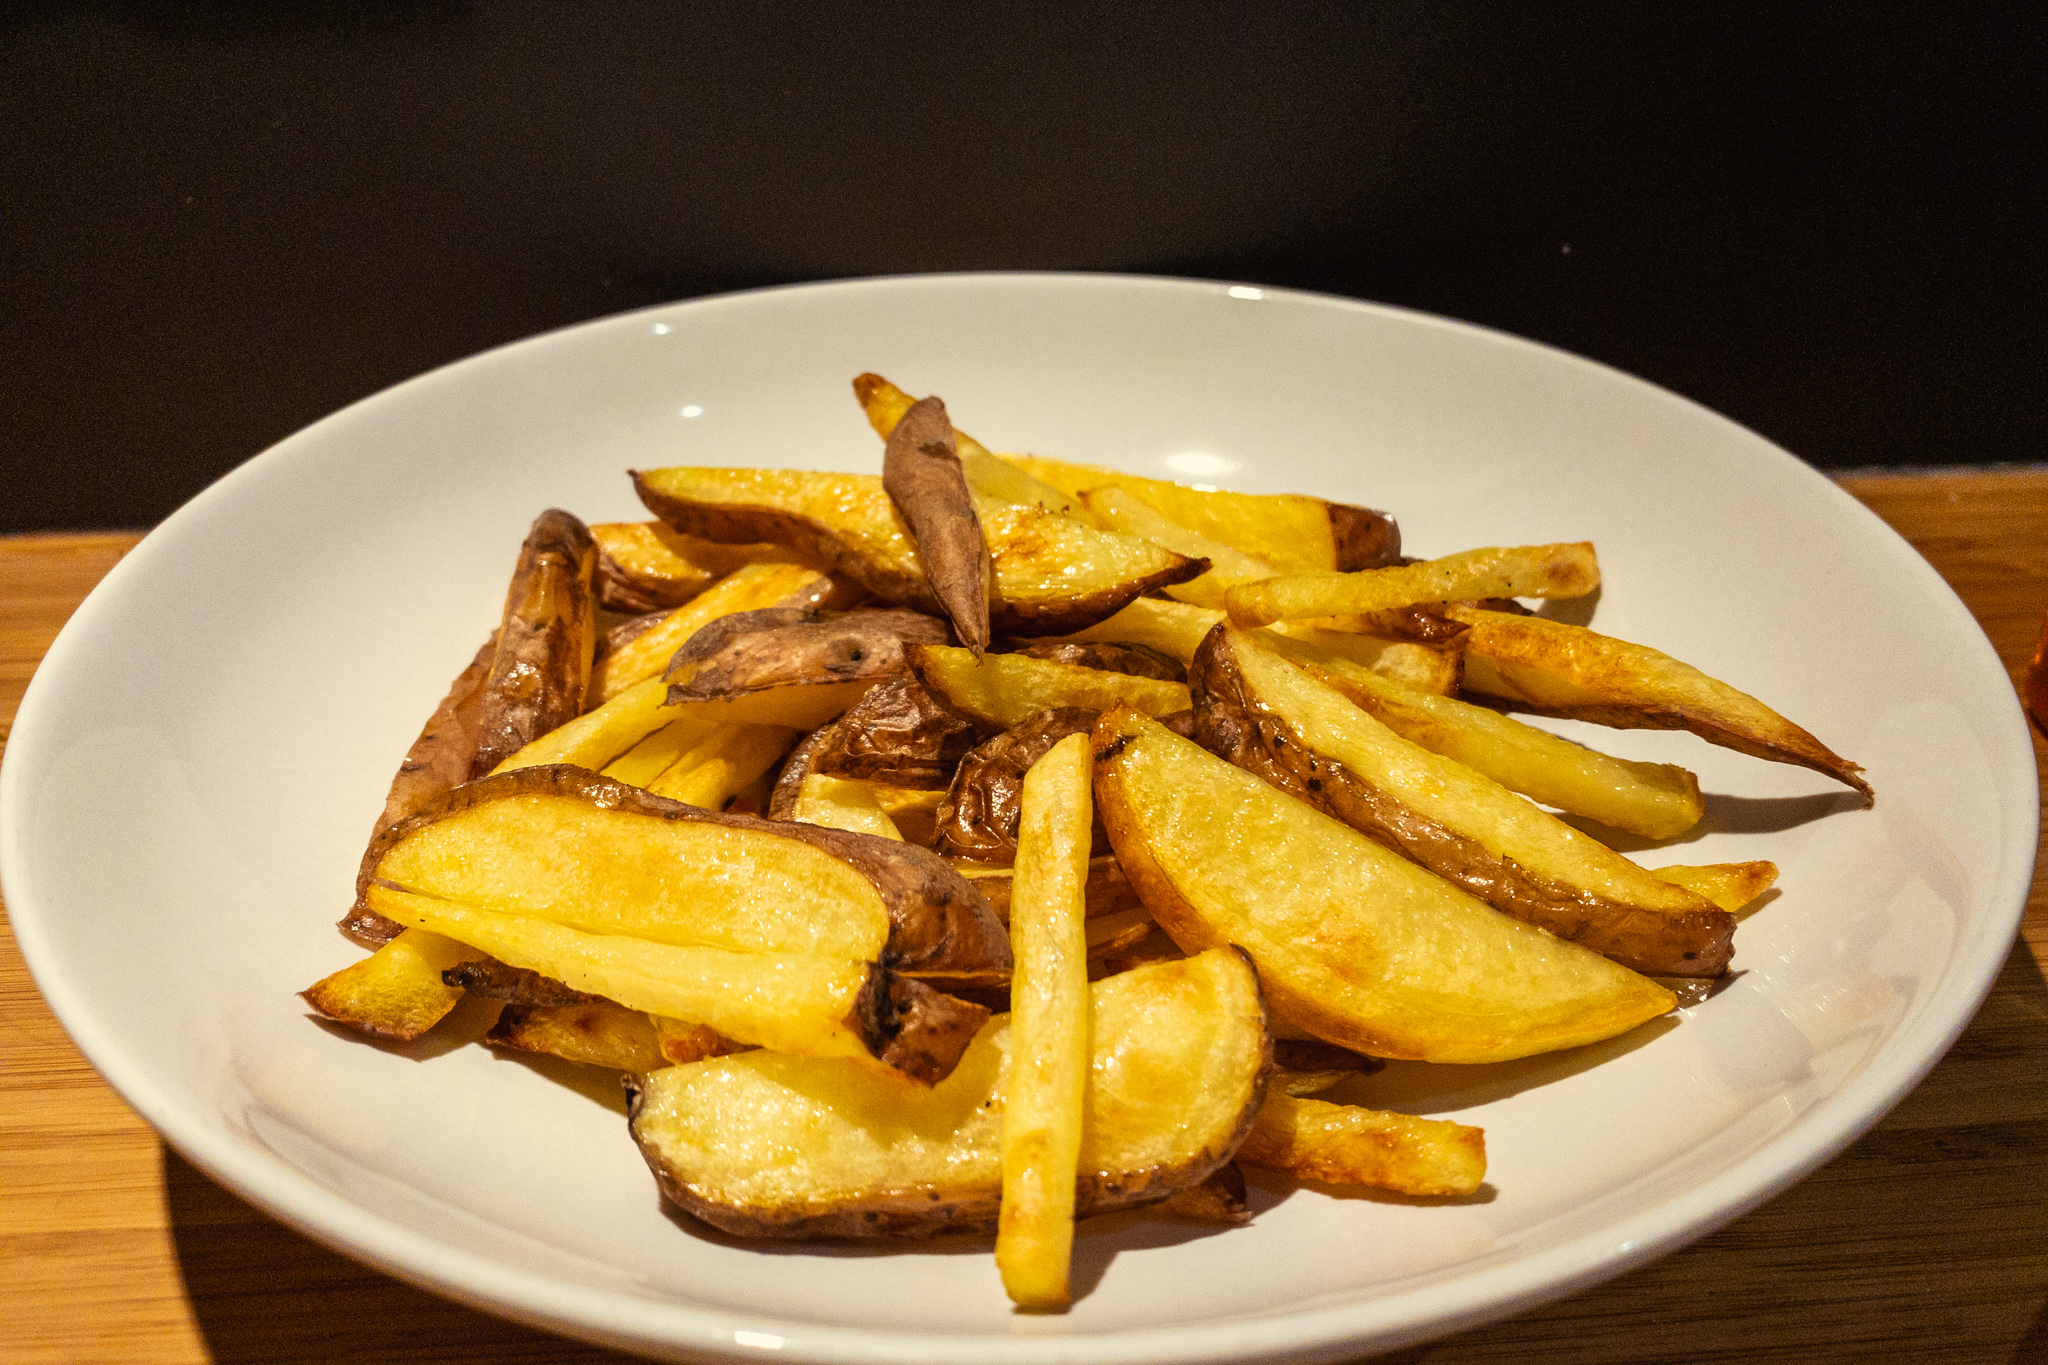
(546, 640)
(771, 1146)
(1302, 735)
(643, 566)
(1354, 943)
(1053, 574)
(1002, 690)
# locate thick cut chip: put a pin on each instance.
(1294, 532)
(1654, 800)
(1565, 570)
(1556, 669)
(1053, 574)
(643, 566)
(546, 638)
(1273, 719)
(396, 992)
(771, 1146)
(1002, 690)
(723, 764)
(1344, 1144)
(1354, 943)
(1121, 511)
(843, 803)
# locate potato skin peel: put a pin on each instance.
(546, 640)
(754, 651)
(921, 471)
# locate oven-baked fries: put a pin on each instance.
(943, 852)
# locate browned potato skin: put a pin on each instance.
(751, 651)
(1221, 1199)
(979, 817)
(598, 1033)
(546, 639)
(1137, 660)
(921, 471)
(442, 757)
(1365, 539)
(816, 544)
(789, 783)
(939, 925)
(899, 734)
(495, 980)
(1234, 724)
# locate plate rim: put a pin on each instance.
(633, 1323)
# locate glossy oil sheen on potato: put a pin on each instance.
(1354, 944)
(773, 1146)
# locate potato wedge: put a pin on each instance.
(979, 817)
(1117, 510)
(1045, 1086)
(843, 803)
(1354, 944)
(1345, 1144)
(1001, 690)
(765, 651)
(897, 734)
(1654, 800)
(988, 475)
(763, 1145)
(1273, 719)
(1296, 533)
(1732, 886)
(1556, 669)
(594, 1033)
(541, 668)
(1053, 574)
(723, 764)
(1564, 570)
(749, 588)
(643, 566)
(922, 475)
(396, 992)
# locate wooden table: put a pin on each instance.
(1928, 1240)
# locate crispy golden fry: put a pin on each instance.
(1001, 690)
(396, 992)
(1564, 570)
(1053, 574)
(643, 566)
(1119, 510)
(1046, 1085)
(897, 734)
(843, 803)
(770, 1146)
(1353, 943)
(1562, 670)
(978, 818)
(595, 1033)
(1732, 886)
(749, 588)
(921, 472)
(1273, 719)
(1297, 533)
(1343, 1144)
(1654, 800)
(541, 668)
(988, 475)
(723, 764)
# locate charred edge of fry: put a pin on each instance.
(620, 589)
(495, 980)
(748, 523)
(1140, 661)
(789, 783)
(1221, 1199)
(1311, 1054)
(599, 1033)
(1064, 616)
(938, 923)
(1364, 538)
(546, 640)
(917, 1029)
(921, 473)
(1235, 726)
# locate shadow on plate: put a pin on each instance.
(1425, 1088)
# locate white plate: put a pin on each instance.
(196, 765)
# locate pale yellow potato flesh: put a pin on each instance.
(843, 803)
(395, 992)
(660, 751)
(1654, 800)
(1446, 790)
(724, 763)
(751, 587)
(791, 1002)
(679, 566)
(597, 737)
(1567, 670)
(1002, 690)
(1354, 944)
(679, 882)
(1291, 531)
(1120, 510)
(1346, 1144)
(785, 1146)
(1732, 886)
(1046, 1084)
(1561, 570)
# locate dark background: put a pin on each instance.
(219, 222)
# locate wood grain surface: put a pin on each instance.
(1926, 1241)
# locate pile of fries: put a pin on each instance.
(1002, 841)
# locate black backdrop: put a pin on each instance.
(218, 222)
